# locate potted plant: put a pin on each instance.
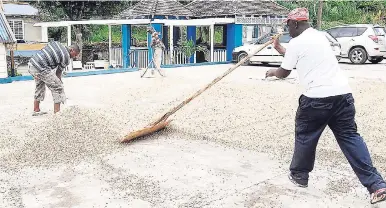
(189, 48)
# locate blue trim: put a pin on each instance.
(126, 43)
(70, 74)
(24, 53)
(5, 80)
(234, 38)
(109, 71)
(195, 64)
(21, 78)
(159, 17)
(191, 35)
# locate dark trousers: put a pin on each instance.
(338, 112)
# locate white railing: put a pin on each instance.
(220, 55)
(139, 57)
(116, 56)
(178, 58)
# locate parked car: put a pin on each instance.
(270, 54)
(361, 42)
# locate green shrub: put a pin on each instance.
(16, 73)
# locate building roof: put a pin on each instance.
(19, 10)
(209, 8)
(153, 8)
(6, 34)
(94, 22)
(190, 22)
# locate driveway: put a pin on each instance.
(230, 147)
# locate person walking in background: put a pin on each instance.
(327, 101)
(46, 66)
(158, 48)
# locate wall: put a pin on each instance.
(249, 31)
(3, 61)
(31, 33)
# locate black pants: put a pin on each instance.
(338, 112)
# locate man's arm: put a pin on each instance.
(279, 47)
(65, 57)
(59, 73)
(279, 73)
(289, 63)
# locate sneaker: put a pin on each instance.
(298, 181)
(378, 196)
(39, 113)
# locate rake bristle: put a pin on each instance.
(145, 131)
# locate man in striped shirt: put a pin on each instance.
(46, 66)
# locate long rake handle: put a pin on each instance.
(175, 109)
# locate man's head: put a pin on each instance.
(154, 34)
(74, 50)
(150, 29)
(297, 21)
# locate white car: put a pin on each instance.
(361, 42)
(270, 54)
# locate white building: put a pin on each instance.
(6, 37)
(21, 18)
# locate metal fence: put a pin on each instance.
(178, 58)
(116, 56)
(139, 57)
(220, 55)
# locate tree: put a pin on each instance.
(80, 10)
(320, 12)
(341, 12)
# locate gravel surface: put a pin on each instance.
(243, 115)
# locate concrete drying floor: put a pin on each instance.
(230, 147)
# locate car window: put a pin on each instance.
(263, 40)
(379, 31)
(329, 37)
(347, 32)
(285, 38)
(333, 32)
(361, 30)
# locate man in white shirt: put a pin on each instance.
(327, 100)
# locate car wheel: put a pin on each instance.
(376, 60)
(338, 58)
(358, 56)
(241, 57)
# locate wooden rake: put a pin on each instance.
(162, 122)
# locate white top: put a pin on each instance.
(318, 69)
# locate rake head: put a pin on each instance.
(146, 131)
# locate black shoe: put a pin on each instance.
(378, 196)
(298, 181)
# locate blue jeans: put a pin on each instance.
(338, 112)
